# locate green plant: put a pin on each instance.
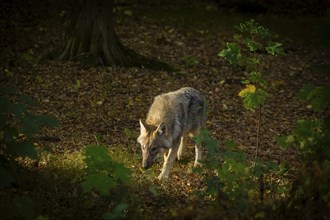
(102, 173)
(18, 126)
(229, 174)
(251, 40)
(311, 137)
(104, 176)
(236, 179)
(190, 60)
(318, 97)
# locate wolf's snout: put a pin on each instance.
(146, 165)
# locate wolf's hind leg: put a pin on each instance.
(198, 149)
(198, 154)
(182, 146)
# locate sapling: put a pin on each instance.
(252, 40)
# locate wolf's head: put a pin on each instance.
(153, 141)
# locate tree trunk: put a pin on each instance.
(91, 39)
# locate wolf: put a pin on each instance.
(171, 119)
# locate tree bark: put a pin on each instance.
(92, 40)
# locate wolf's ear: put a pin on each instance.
(160, 129)
(143, 128)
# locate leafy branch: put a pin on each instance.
(311, 137)
(18, 127)
(104, 176)
(236, 179)
(17, 130)
(251, 39)
(230, 175)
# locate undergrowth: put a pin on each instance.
(94, 183)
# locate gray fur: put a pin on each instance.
(172, 117)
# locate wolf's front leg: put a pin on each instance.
(169, 161)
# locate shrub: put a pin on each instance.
(311, 137)
(106, 177)
(17, 128)
(230, 175)
(251, 40)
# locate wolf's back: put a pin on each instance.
(182, 111)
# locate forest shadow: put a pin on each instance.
(52, 185)
(207, 19)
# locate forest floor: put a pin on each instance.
(104, 104)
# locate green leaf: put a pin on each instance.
(252, 45)
(255, 76)
(285, 141)
(97, 158)
(47, 120)
(253, 61)
(121, 173)
(306, 128)
(9, 107)
(128, 132)
(246, 81)
(128, 12)
(26, 100)
(232, 53)
(102, 173)
(30, 124)
(24, 149)
(203, 135)
(319, 98)
(274, 48)
(190, 60)
(270, 166)
(282, 169)
(211, 143)
(230, 145)
(253, 27)
(99, 182)
(96, 151)
(78, 84)
(6, 178)
(238, 37)
(258, 169)
(251, 101)
(8, 90)
(212, 185)
(305, 91)
(10, 134)
(4, 103)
